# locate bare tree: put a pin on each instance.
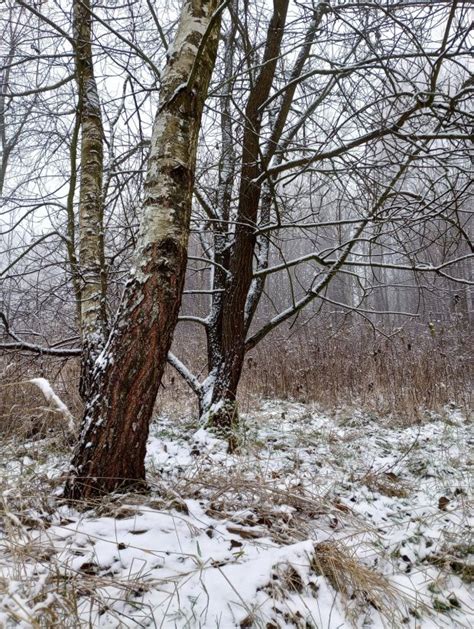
(332, 175)
(321, 114)
(71, 229)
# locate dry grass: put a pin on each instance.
(403, 374)
(359, 585)
(50, 594)
(413, 371)
(386, 483)
(250, 499)
(45, 589)
(262, 500)
(23, 410)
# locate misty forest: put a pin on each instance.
(236, 306)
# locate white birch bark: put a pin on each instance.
(112, 446)
(91, 236)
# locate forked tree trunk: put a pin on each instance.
(221, 416)
(228, 328)
(92, 281)
(127, 375)
(235, 306)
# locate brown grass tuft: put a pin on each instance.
(359, 585)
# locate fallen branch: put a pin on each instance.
(55, 401)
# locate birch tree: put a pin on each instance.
(111, 449)
(84, 244)
(91, 264)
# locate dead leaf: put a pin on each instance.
(443, 502)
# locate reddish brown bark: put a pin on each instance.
(127, 375)
(112, 454)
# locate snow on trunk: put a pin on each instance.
(91, 240)
(112, 446)
(228, 326)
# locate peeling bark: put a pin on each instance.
(128, 373)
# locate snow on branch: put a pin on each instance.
(185, 373)
(55, 401)
(20, 344)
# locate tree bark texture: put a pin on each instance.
(227, 332)
(91, 231)
(128, 373)
(239, 292)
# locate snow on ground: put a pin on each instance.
(319, 522)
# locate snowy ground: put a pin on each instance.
(318, 522)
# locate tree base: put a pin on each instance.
(88, 491)
(224, 421)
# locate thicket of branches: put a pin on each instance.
(331, 191)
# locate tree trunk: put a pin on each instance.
(218, 396)
(228, 324)
(235, 306)
(127, 376)
(91, 230)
